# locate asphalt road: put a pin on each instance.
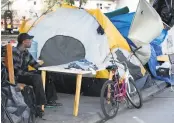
(159, 109)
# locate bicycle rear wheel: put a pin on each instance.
(133, 94)
(109, 104)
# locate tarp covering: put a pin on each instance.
(123, 23)
(156, 43)
(152, 66)
(117, 12)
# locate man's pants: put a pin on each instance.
(34, 80)
(50, 89)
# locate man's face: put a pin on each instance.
(27, 43)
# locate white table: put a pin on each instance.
(61, 69)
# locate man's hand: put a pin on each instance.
(40, 62)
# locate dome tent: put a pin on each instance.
(80, 26)
(70, 34)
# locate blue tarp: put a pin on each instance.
(123, 23)
(157, 42)
(152, 63)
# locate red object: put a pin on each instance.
(12, 41)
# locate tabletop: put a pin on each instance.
(63, 69)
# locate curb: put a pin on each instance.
(156, 88)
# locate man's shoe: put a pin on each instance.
(51, 104)
(58, 104)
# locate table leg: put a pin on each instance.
(44, 78)
(77, 95)
(43, 81)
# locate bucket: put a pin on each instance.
(33, 49)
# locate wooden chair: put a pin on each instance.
(10, 67)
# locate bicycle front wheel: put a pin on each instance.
(133, 94)
(109, 104)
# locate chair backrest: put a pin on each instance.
(9, 63)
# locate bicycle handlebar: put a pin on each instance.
(123, 62)
(133, 51)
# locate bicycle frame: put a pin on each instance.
(122, 91)
(122, 85)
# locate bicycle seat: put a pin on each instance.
(111, 67)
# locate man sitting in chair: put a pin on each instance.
(21, 60)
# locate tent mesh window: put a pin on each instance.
(61, 50)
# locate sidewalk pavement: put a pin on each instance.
(89, 108)
(156, 109)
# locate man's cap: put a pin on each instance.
(24, 36)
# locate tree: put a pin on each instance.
(81, 2)
(72, 2)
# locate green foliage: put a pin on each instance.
(71, 2)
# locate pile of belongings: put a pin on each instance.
(163, 69)
(83, 64)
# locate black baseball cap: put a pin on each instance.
(24, 36)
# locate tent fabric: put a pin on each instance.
(57, 54)
(135, 71)
(26, 25)
(143, 82)
(145, 19)
(115, 39)
(123, 23)
(76, 25)
(117, 12)
(135, 67)
(68, 24)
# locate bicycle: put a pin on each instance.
(119, 89)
